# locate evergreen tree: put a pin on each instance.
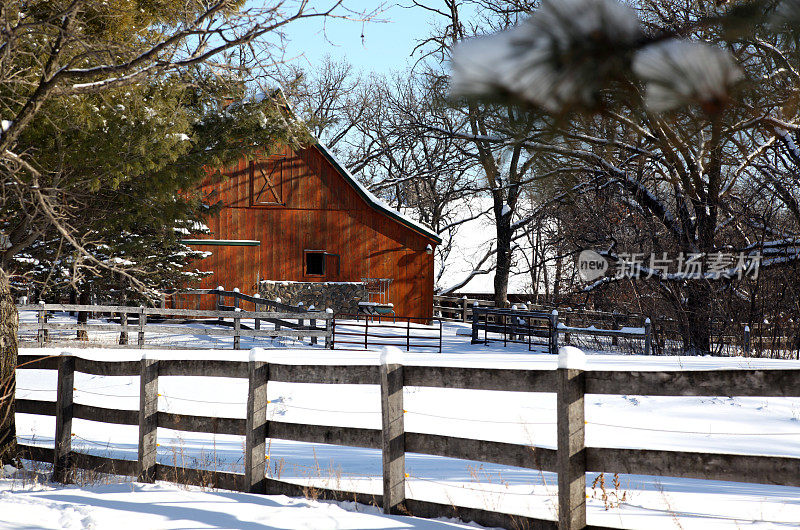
(110, 113)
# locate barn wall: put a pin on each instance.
(307, 205)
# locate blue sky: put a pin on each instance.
(386, 46)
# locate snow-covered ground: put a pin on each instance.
(25, 504)
(765, 426)
(455, 336)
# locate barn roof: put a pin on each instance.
(363, 192)
(374, 201)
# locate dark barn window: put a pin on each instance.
(315, 263)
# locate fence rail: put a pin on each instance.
(349, 330)
(139, 320)
(779, 339)
(522, 326)
(571, 460)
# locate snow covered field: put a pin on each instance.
(764, 426)
(165, 506)
(455, 336)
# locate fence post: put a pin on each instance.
(648, 337)
(237, 329)
(408, 335)
(567, 335)
(614, 324)
(142, 322)
(392, 432)
(300, 324)
(42, 320)
(62, 455)
(747, 341)
(366, 332)
(464, 304)
(218, 303)
(255, 464)
(123, 335)
(236, 299)
(330, 329)
(554, 332)
(257, 305)
(475, 316)
(312, 324)
(148, 419)
(571, 457)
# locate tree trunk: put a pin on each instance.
(503, 268)
(9, 323)
(557, 281)
(697, 336)
(83, 316)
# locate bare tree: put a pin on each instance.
(496, 133)
(688, 126)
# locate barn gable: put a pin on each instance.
(298, 215)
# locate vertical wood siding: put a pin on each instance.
(320, 211)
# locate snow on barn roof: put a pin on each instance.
(362, 191)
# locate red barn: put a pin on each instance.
(300, 216)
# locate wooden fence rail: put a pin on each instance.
(570, 461)
(135, 319)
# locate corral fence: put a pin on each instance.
(403, 332)
(140, 321)
(771, 339)
(571, 460)
(233, 300)
(514, 325)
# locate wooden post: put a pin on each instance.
(255, 463)
(571, 457)
(142, 322)
(237, 329)
(464, 303)
(220, 290)
(236, 299)
(567, 335)
(614, 324)
(257, 305)
(330, 329)
(648, 336)
(300, 324)
(62, 455)
(312, 324)
(554, 332)
(392, 432)
(475, 316)
(123, 335)
(747, 341)
(42, 315)
(148, 419)
(366, 332)
(408, 335)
